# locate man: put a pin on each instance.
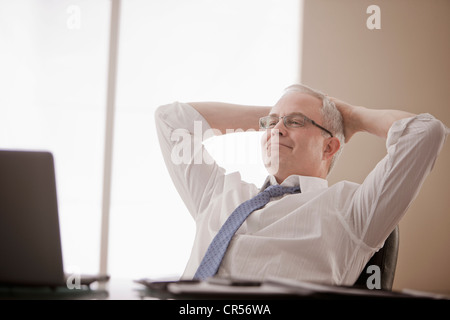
(322, 233)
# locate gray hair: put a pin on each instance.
(331, 117)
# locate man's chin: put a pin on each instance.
(272, 165)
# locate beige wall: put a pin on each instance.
(404, 65)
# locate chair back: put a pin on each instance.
(386, 260)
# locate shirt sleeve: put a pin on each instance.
(380, 202)
(180, 130)
(205, 187)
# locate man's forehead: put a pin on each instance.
(297, 102)
(288, 114)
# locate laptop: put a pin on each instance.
(30, 242)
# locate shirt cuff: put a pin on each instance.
(398, 127)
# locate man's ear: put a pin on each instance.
(331, 146)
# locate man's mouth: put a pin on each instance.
(269, 144)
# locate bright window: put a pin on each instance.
(54, 68)
(53, 60)
(232, 51)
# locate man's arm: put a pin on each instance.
(196, 176)
(374, 121)
(413, 143)
(223, 116)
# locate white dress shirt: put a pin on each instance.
(324, 234)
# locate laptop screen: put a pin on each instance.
(30, 243)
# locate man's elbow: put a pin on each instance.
(160, 112)
(432, 138)
(436, 134)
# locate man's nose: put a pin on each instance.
(279, 128)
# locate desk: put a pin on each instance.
(218, 289)
(121, 289)
(114, 289)
(270, 289)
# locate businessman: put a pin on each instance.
(309, 231)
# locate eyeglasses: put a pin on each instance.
(290, 121)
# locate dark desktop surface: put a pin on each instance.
(212, 289)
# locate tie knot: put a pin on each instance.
(277, 190)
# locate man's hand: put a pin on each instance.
(347, 111)
(374, 121)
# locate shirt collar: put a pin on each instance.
(306, 183)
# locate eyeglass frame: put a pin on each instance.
(289, 126)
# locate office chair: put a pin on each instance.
(386, 259)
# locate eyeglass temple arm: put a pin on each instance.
(319, 126)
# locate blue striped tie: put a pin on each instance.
(216, 250)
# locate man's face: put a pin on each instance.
(295, 150)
